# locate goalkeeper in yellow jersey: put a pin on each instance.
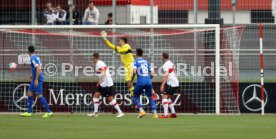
(126, 57)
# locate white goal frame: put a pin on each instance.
(216, 27)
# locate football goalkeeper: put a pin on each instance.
(126, 57)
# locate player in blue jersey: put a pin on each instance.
(142, 69)
(36, 85)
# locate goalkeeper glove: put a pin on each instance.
(104, 34)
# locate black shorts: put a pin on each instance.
(106, 91)
(169, 90)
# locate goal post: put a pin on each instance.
(217, 77)
(207, 90)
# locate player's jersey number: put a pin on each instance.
(145, 70)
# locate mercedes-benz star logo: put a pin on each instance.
(251, 97)
(20, 96)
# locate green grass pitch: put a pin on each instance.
(106, 126)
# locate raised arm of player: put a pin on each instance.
(118, 49)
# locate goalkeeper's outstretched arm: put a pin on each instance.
(112, 46)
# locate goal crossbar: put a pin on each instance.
(215, 26)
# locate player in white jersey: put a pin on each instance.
(104, 87)
(91, 15)
(169, 86)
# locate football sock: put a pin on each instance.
(137, 102)
(115, 105)
(165, 106)
(171, 105)
(152, 104)
(141, 109)
(45, 103)
(96, 102)
(30, 104)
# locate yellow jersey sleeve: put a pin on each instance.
(119, 49)
(109, 44)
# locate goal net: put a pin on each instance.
(206, 59)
